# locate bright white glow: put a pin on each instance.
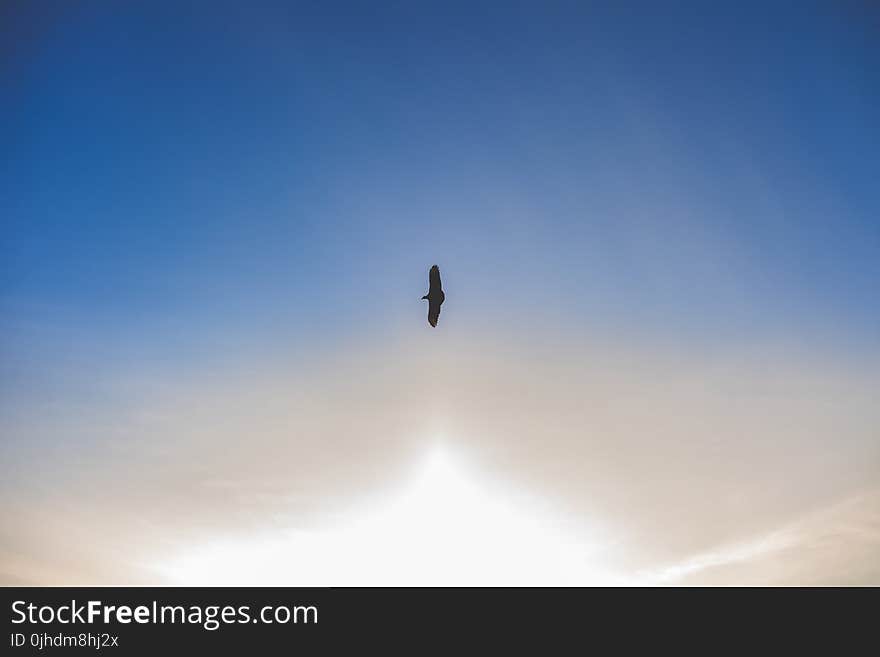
(443, 529)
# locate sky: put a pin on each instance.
(659, 234)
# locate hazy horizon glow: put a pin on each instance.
(628, 466)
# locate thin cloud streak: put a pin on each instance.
(836, 545)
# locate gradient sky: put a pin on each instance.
(661, 223)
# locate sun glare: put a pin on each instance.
(445, 528)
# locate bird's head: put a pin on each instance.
(425, 297)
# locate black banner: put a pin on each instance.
(156, 620)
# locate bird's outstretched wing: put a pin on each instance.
(434, 285)
(433, 312)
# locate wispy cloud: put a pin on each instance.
(838, 544)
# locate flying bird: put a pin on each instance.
(434, 296)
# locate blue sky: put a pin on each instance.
(244, 169)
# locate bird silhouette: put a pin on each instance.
(434, 296)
